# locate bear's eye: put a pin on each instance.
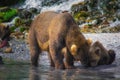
(97, 52)
(104, 58)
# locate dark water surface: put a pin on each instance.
(14, 70)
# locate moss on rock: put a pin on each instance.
(7, 14)
(80, 16)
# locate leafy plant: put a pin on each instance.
(12, 28)
(22, 29)
(7, 15)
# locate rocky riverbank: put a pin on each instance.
(20, 50)
(94, 18)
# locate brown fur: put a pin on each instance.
(4, 34)
(99, 55)
(51, 31)
(4, 30)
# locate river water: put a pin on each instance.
(13, 70)
(25, 72)
(65, 5)
(17, 70)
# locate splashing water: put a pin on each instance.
(32, 3)
(61, 7)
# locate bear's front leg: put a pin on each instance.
(68, 59)
(57, 57)
(51, 61)
(34, 49)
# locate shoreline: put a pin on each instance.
(109, 40)
(21, 48)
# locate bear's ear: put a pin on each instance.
(73, 49)
(112, 55)
(89, 41)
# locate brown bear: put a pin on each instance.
(99, 55)
(51, 31)
(4, 35)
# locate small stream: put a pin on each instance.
(17, 70)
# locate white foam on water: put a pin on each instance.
(32, 3)
(62, 7)
(37, 4)
(114, 24)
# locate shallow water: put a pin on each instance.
(25, 72)
(17, 70)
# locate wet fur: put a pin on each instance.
(4, 34)
(51, 31)
(100, 55)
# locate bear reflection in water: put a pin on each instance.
(70, 74)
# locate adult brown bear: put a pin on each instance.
(52, 32)
(99, 55)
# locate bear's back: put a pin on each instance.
(43, 20)
(40, 25)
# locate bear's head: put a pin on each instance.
(81, 52)
(98, 55)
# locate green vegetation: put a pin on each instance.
(7, 15)
(80, 15)
(18, 22)
(22, 29)
(97, 15)
(12, 28)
